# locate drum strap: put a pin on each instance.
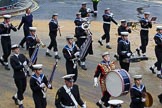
(68, 91)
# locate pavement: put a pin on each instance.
(85, 78)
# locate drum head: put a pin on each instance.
(114, 84)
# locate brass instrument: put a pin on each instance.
(41, 43)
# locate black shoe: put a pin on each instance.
(28, 74)
(57, 57)
(7, 67)
(116, 56)
(2, 62)
(99, 105)
(108, 46)
(100, 42)
(83, 67)
(159, 76)
(79, 63)
(138, 52)
(21, 106)
(15, 100)
(48, 54)
(160, 98)
(152, 70)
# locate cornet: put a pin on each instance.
(41, 43)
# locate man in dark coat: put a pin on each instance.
(19, 62)
(71, 54)
(68, 95)
(5, 29)
(38, 82)
(26, 21)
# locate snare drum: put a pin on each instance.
(118, 82)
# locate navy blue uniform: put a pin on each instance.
(53, 26)
(68, 53)
(5, 30)
(84, 12)
(158, 50)
(38, 92)
(145, 25)
(26, 21)
(122, 29)
(78, 23)
(107, 18)
(122, 50)
(31, 43)
(19, 75)
(63, 99)
(136, 96)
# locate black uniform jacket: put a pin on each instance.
(158, 40)
(53, 25)
(123, 29)
(63, 98)
(6, 29)
(35, 85)
(145, 23)
(16, 63)
(31, 41)
(136, 96)
(27, 21)
(123, 49)
(108, 18)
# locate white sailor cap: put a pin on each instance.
(7, 16)
(107, 9)
(137, 77)
(147, 13)
(123, 21)
(14, 46)
(78, 13)
(105, 53)
(84, 3)
(124, 33)
(37, 66)
(69, 77)
(69, 37)
(55, 14)
(32, 28)
(158, 27)
(115, 102)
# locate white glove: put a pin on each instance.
(77, 54)
(84, 106)
(49, 85)
(42, 85)
(25, 63)
(128, 54)
(95, 82)
(143, 99)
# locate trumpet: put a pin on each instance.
(40, 42)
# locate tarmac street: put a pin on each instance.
(122, 9)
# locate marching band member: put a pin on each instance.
(95, 3)
(83, 10)
(70, 52)
(158, 51)
(82, 35)
(78, 23)
(53, 28)
(137, 93)
(18, 63)
(38, 82)
(145, 25)
(32, 41)
(68, 95)
(123, 28)
(115, 103)
(107, 18)
(26, 21)
(124, 51)
(5, 29)
(102, 70)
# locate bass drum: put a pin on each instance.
(118, 82)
